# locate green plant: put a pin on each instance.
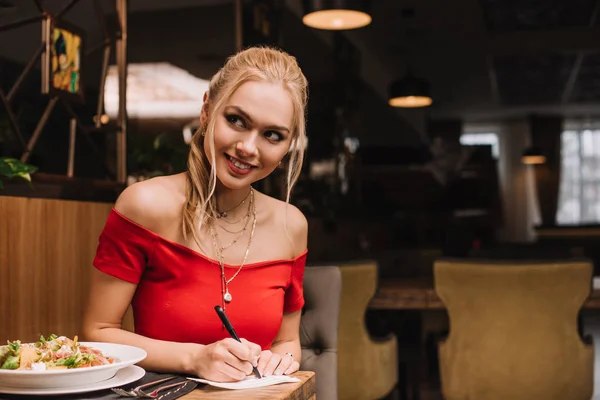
(13, 168)
(151, 155)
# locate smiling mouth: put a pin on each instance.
(238, 163)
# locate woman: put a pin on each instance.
(177, 246)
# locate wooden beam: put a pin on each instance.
(21, 22)
(121, 55)
(12, 119)
(66, 8)
(38, 129)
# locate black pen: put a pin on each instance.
(229, 327)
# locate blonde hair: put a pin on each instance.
(264, 64)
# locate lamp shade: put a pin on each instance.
(335, 15)
(532, 156)
(410, 92)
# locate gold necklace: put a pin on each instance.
(226, 295)
(239, 233)
(223, 214)
(232, 231)
(247, 215)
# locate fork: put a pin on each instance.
(154, 393)
(134, 392)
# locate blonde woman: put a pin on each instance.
(174, 247)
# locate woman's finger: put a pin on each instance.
(264, 359)
(229, 354)
(255, 349)
(295, 366)
(240, 350)
(233, 374)
(272, 364)
(284, 364)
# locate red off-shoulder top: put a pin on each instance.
(178, 287)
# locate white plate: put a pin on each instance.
(64, 378)
(124, 376)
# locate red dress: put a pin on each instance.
(178, 287)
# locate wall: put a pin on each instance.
(46, 252)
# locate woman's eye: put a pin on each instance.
(235, 120)
(274, 136)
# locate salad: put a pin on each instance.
(54, 352)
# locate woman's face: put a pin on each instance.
(253, 132)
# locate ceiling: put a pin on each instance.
(493, 58)
(486, 59)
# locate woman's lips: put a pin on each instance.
(237, 166)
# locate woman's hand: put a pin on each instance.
(226, 360)
(273, 364)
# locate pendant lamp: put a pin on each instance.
(335, 15)
(532, 156)
(410, 92)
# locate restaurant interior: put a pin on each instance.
(451, 179)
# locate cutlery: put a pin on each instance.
(154, 393)
(134, 392)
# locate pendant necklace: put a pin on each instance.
(226, 295)
(223, 214)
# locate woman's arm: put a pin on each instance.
(109, 297)
(277, 361)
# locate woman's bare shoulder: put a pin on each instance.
(153, 202)
(288, 217)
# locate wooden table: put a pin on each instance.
(419, 294)
(303, 390)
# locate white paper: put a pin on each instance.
(250, 382)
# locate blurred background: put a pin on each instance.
(465, 128)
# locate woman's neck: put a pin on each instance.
(228, 200)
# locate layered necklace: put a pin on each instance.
(223, 214)
(238, 234)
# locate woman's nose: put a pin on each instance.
(247, 146)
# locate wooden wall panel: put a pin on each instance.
(46, 252)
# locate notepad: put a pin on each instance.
(250, 382)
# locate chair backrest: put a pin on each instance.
(513, 330)
(368, 368)
(402, 263)
(319, 327)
